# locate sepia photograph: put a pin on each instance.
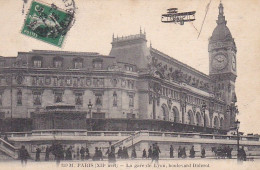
(129, 84)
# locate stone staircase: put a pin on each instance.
(7, 150)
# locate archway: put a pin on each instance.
(221, 123)
(216, 122)
(198, 118)
(176, 117)
(165, 112)
(190, 118)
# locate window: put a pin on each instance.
(55, 81)
(58, 97)
(75, 81)
(41, 80)
(129, 68)
(37, 98)
(19, 97)
(98, 99)
(34, 80)
(131, 100)
(2, 63)
(57, 63)
(97, 64)
(37, 63)
(68, 81)
(79, 99)
(1, 99)
(130, 84)
(114, 99)
(78, 63)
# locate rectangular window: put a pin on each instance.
(37, 97)
(57, 64)
(37, 63)
(1, 99)
(19, 97)
(55, 81)
(34, 80)
(79, 99)
(129, 68)
(57, 97)
(75, 81)
(41, 80)
(131, 100)
(97, 65)
(98, 99)
(78, 64)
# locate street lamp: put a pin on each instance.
(237, 123)
(204, 112)
(90, 113)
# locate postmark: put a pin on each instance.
(47, 23)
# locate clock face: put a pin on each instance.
(234, 63)
(219, 62)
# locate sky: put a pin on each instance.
(96, 21)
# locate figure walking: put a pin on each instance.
(144, 154)
(171, 152)
(23, 155)
(47, 153)
(38, 152)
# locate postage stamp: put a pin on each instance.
(47, 23)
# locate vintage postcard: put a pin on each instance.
(133, 84)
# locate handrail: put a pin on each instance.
(119, 133)
(122, 141)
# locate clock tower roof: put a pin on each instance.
(221, 32)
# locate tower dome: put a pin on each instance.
(221, 32)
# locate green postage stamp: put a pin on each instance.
(47, 23)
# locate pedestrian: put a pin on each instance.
(133, 155)
(192, 152)
(119, 152)
(69, 153)
(144, 154)
(171, 152)
(203, 153)
(23, 155)
(38, 152)
(58, 152)
(47, 153)
(87, 153)
(150, 152)
(111, 155)
(125, 153)
(96, 157)
(82, 152)
(242, 154)
(100, 154)
(179, 152)
(77, 153)
(183, 154)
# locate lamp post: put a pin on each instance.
(90, 113)
(204, 112)
(237, 123)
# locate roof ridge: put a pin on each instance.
(179, 62)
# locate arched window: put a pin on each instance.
(216, 122)
(175, 114)
(198, 118)
(221, 123)
(165, 112)
(190, 118)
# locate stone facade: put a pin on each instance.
(133, 82)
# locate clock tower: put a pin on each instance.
(222, 65)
